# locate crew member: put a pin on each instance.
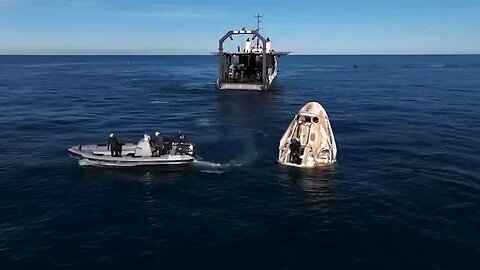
(181, 137)
(295, 151)
(114, 146)
(158, 143)
(182, 147)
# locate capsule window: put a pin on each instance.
(315, 119)
(307, 119)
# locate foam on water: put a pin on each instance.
(210, 167)
(85, 162)
(214, 167)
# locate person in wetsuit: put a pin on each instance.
(295, 151)
(114, 146)
(158, 143)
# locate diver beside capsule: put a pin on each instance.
(309, 140)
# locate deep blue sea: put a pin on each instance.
(405, 193)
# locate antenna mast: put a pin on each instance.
(258, 16)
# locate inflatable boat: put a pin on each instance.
(309, 140)
(139, 154)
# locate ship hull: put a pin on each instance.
(246, 86)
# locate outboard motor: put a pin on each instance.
(183, 148)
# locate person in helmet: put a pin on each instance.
(182, 146)
(181, 137)
(157, 143)
(114, 146)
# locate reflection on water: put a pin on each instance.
(314, 185)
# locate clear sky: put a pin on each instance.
(194, 27)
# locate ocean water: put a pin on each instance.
(404, 194)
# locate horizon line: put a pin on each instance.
(293, 54)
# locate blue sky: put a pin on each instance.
(194, 27)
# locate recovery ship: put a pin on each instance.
(253, 67)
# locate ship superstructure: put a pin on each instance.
(253, 67)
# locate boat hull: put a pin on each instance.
(98, 155)
(241, 87)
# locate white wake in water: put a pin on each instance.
(85, 162)
(212, 167)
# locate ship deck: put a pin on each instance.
(250, 53)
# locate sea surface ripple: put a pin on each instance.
(404, 194)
